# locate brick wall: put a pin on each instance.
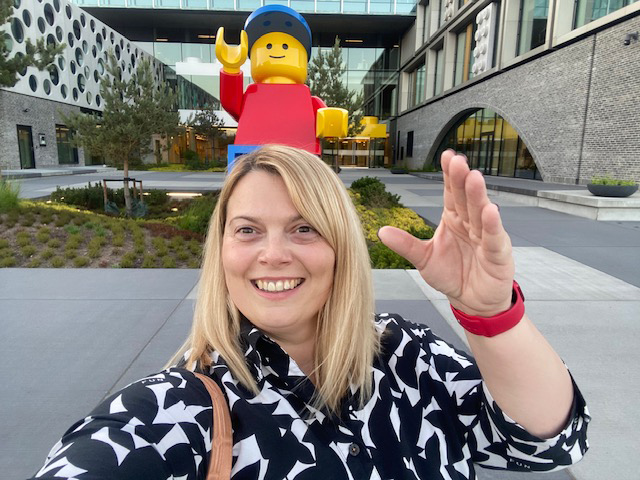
(41, 115)
(545, 100)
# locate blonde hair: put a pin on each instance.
(346, 339)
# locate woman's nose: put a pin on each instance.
(276, 250)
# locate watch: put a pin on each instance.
(492, 326)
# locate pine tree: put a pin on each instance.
(208, 124)
(326, 80)
(40, 55)
(134, 110)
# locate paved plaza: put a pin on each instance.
(70, 337)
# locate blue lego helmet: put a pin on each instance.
(278, 18)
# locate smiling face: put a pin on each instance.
(278, 269)
(278, 58)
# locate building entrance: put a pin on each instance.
(25, 145)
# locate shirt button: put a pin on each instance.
(354, 449)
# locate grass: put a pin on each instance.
(9, 195)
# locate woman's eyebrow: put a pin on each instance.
(248, 218)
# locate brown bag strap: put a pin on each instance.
(222, 441)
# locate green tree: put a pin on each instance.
(134, 109)
(205, 122)
(40, 55)
(326, 80)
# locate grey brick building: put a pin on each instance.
(566, 82)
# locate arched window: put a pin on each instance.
(491, 144)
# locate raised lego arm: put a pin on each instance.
(231, 56)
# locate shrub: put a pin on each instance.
(90, 197)
(43, 235)
(195, 247)
(182, 255)
(4, 243)
(118, 240)
(47, 253)
(148, 261)
(62, 219)
(57, 262)
(196, 217)
(373, 193)
(194, 263)
(383, 257)
(28, 250)
(608, 180)
(128, 260)
(81, 262)
(5, 252)
(168, 262)
(22, 241)
(70, 254)
(93, 252)
(7, 262)
(34, 263)
(9, 195)
(192, 160)
(27, 220)
(54, 243)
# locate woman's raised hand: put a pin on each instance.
(469, 258)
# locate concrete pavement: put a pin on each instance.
(70, 337)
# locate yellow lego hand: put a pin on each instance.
(332, 122)
(231, 57)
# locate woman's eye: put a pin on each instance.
(305, 229)
(245, 230)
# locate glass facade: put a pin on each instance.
(67, 153)
(438, 74)
(416, 85)
(589, 10)
(376, 7)
(532, 27)
(492, 146)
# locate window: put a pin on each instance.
(491, 145)
(532, 27)
(465, 43)
(589, 10)
(67, 153)
(410, 144)
(426, 21)
(438, 74)
(416, 85)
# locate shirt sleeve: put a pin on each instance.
(495, 440)
(156, 428)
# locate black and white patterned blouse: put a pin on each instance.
(430, 416)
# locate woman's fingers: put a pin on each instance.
(406, 245)
(456, 174)
(477, 200)
(445, 159)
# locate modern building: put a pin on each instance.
(545, 89)
(542, 89)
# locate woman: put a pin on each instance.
(319, 388)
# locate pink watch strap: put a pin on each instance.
(492, 326)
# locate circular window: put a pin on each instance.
(112, 37)
(83, 20)
(100, 67)
(51, 40)
(94, 51)
(121, 43)
(56, 5)
(61, 62)
(17, 30)
(96, 77)
(46, 85)
(26, 18)
(104, 32)
(85, 46)
(87, 72)
(118, 52)
(92, 24)
(77, 29)
(64, 91)
(89, 98)
(98, 100)
(99, 41)
(54, 75)
(41, 25)
(16, 3)
(79, 56)
(68, 10)
(33, 83)
(133, 60)
(70, 39)
(72, 66)
(74, 94)
(49, 14)
(22, 72)
(59, 34)
(81, 83)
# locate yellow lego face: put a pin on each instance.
(278, 58)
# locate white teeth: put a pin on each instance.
(278, 286)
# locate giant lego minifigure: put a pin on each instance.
(278, 107)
